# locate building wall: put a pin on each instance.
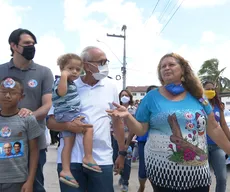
(226, 100)
(138, 95)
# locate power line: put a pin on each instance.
(152, 12)
(171, 17)
(174, 7)
(165, 9)
(110, 50)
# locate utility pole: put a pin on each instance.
(123, 68)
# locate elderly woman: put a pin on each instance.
(177, 116)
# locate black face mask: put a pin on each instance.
(28, 52)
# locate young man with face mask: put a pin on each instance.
(97, 92)
(37, 81)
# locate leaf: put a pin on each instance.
(177, 157)
(209, 72)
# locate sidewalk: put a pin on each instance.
(52, 184)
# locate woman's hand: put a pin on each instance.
(120, 111)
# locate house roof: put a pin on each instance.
(137, 88)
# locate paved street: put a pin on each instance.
(52, 185)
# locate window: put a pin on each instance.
(134, 94)
(142, 94)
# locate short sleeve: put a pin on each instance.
(47, 82)
(143, 114)
(207, 108)
(33, 128)
(51, 111)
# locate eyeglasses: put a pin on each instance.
(7, 147)
(11, 93)
(100, 62)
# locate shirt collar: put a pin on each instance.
(80, 83)
(31, 66)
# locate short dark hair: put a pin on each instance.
(65, 59)
(16, 80)
(151, 87)
(15, 37)
(18, 143)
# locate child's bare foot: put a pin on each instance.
(91, 164)
(67, 178)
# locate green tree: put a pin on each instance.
(209, 71)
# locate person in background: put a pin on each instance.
(226, 111)
(217, 155)
(54, 137)
(126, 100)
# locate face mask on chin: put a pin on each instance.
(28, 52)
(175, 89)
(103, 72)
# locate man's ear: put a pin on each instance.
(13, 46)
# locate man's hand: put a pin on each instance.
(77, 126)
(25, 112)
(27, 187)
(119, 164)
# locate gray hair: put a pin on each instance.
(85, 54)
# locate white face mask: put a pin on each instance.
(103, 72)
(125, 99)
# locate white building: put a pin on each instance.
(138, 92)
(226, 101)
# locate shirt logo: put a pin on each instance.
(32, 83)
(5, 132)
(9, 83)
(217, 114)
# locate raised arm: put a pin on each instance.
(134, 126)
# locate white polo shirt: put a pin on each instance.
(94, 101)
